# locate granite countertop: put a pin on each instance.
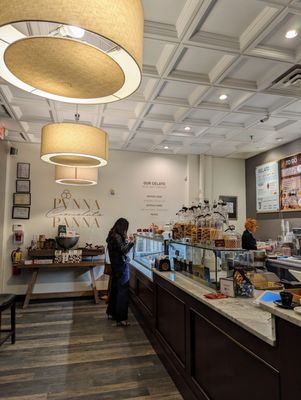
(288, 315)
(242, 311)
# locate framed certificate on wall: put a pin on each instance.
(23, 170)
(20, 212)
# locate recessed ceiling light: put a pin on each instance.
(72, 31)
(279, 139)
(166, 147)
(291, 34)
(223, 97)
(187, 128)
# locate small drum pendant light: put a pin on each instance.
(74, 145)
(76, 176)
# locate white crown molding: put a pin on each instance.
(186, 16)
(284, 124)
(192, 77)
(177, 101)
(262, 20)
(273, 53)
(238, 84)
(159, 30)
(216, 41)
(219, 69)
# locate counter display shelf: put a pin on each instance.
(205, 264)
(147, 248)
(202, 263)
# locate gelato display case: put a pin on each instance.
(201, 263)
(148, 248)
(205, 264)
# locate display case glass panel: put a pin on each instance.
(146, 250)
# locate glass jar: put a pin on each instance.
(232, 239)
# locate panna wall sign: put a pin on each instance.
(75, 212)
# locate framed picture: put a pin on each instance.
(20, 212)
(23, 170)
(22, 186)
(231, 202)
(22, 199)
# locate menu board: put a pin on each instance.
(290, 183)
(267, 187)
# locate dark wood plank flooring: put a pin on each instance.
(69, 350)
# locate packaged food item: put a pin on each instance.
(242, 285)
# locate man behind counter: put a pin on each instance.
(248, 241)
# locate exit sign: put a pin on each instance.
(2, 132)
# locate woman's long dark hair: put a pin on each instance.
(120, 227)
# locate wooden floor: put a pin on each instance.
(69, 350)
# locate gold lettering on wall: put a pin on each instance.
(74, 211)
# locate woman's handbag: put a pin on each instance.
(108, 267)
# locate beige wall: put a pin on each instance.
(125, 174)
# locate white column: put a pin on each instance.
(209, 178)
(202, 177)
(192, 180)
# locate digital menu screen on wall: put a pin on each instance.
(290, 183)
(267, 187)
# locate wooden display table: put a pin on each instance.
(89, 265)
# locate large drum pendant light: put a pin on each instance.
(76, 176)
(86, 51)
(74, 145)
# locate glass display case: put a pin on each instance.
(205, 263)
(148, 248)
(202, 263)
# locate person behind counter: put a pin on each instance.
(118, 247)
(248, 241)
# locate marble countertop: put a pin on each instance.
(242, 311)
(245, 312)
(288, 315)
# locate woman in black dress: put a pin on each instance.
(118, 247)
(248, 240)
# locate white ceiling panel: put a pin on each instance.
(194, 51)
(223, 20)
(198, 60)
(252, 69)
(166, 12)
(276, 38)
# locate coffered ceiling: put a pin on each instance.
(194, 51)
